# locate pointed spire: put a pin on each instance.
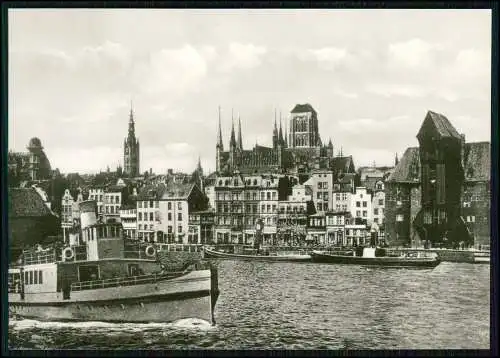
(286, 136)
(232, 140)
(220, 144)
(396, 160)
(280, 136)
(240, 141)
(131, 122)
(330, 144)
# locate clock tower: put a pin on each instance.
(131, 150)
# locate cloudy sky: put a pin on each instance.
(370, 74)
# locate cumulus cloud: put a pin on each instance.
(242, 56)
(413, 54)
(173, 71)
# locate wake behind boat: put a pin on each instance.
(254, 256)
(372, 256)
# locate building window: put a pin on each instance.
(364, 204)
(169, 205)
(169, 229)
(151, 203)
(179, 205)
(375, 211)
(399, 217)
(179, 216)
(179, 229)
(169, 216)
(358, 204)
(380, 201)
(365, 213)
(139, 204)
(151, 217)
(157, 204)
(358, 213)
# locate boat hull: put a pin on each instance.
(377, 261)
(283, 258)
(191, 296)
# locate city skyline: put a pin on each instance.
(73, 73)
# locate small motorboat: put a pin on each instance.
(372, 256)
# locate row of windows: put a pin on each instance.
(322, 195)
(112, 199)
(358, 213)
(115, 209)
(341, 207)
(323, 185)
(96, 197)
(33, 277)
(322, 206)
(270, 195)
(358, 204)
(341, 196)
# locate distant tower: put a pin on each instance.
(330, 149)
(131, 149)
(275, 132)
(219, 147)
(232, 146)
(281, 141)
(240, 141)
(396, 160)
(304, 127)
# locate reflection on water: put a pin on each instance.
(305, 306)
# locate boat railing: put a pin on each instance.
(39, 257)
(128, 281)
(180, 247)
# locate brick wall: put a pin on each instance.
(477, 196)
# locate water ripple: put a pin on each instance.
(305, 306)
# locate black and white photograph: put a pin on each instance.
(248, 179)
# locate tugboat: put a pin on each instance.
(98, 277)
(257, 253)
(374, 256)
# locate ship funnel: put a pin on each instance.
(88, 213)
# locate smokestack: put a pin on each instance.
(88, 216)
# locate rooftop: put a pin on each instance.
(408, 168)
(27, 202)
(303, 108)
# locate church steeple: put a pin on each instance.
(275, 132)
(131, 123)
(131, 148)
(232, 140)
(240, 141)
(220, 144)
(396, 160)
(280, 136)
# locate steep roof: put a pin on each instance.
(441, 124)
(177, 191)
(341, 164)
(477, 165)
(408, 168)
(26, 202)
(303, 108)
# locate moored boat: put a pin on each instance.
(101, 278)
(371, 256)
(261, 256)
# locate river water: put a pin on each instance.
(305, 306)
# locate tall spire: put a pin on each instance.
(240, 142)
(280, 137)
(232, 140)
(396, 160)
(286, 136)
(131, 122)
(220, 144)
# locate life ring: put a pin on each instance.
(150, 251)
(68, 253)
